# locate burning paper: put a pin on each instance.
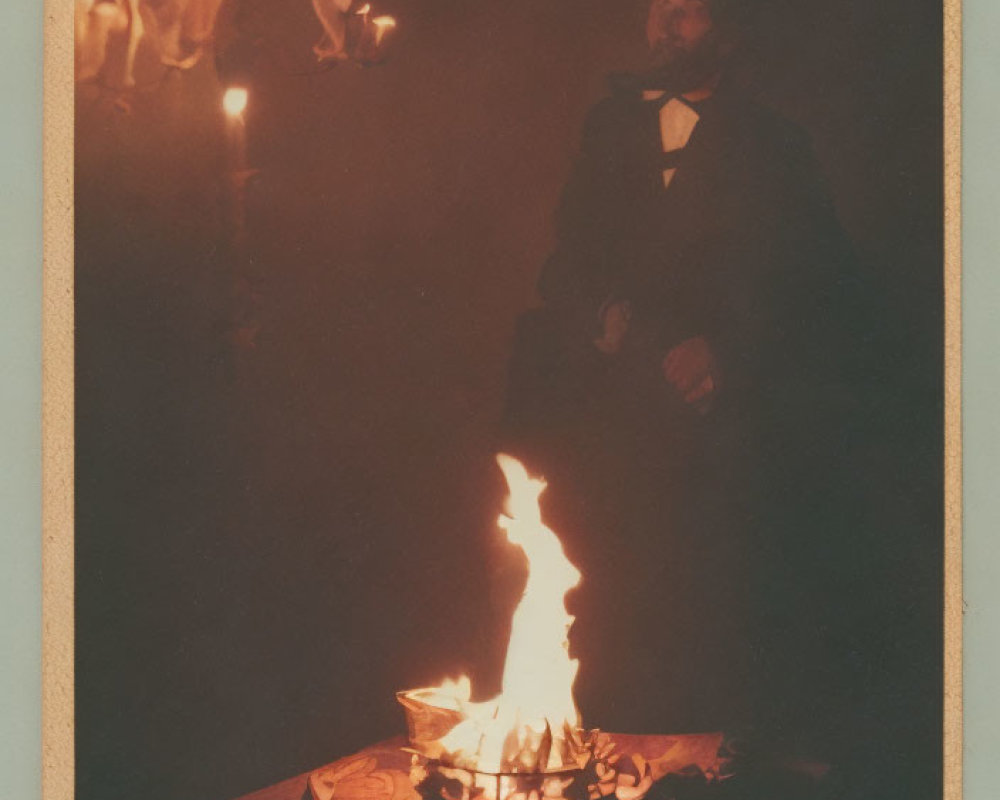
(183, 28)
(350, 31)
(108, 33)
(533, 726)
(332, 14)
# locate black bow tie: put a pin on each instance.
(638, 83)
(666, 98)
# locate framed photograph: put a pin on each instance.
(508, 400)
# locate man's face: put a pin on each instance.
(685, 43)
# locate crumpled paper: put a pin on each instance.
(623, 767)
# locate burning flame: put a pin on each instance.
(533, 725)
(382, 26)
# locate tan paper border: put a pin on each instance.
(58, 765)
(58, 771)
(953, 400)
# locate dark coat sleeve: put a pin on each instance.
(579, 275)
(552, 350)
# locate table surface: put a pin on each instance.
(291, 789)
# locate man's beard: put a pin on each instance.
(678, 71)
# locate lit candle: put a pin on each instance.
(234, 101)
(234, 104)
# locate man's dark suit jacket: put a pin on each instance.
(743, 248)
(663, 508)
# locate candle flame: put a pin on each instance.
(234, 101)
(382, 26)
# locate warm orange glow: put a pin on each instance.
(533, 725)
(382, 26)
(234, 101)
(365, 9)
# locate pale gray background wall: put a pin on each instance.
(20, 397)
(981, 198)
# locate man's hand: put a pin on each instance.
(690, 367)
(614, 316)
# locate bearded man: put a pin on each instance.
(684, 380)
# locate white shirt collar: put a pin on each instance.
(677, 122)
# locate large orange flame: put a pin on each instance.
(533, 725)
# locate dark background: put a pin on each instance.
(272, 540)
